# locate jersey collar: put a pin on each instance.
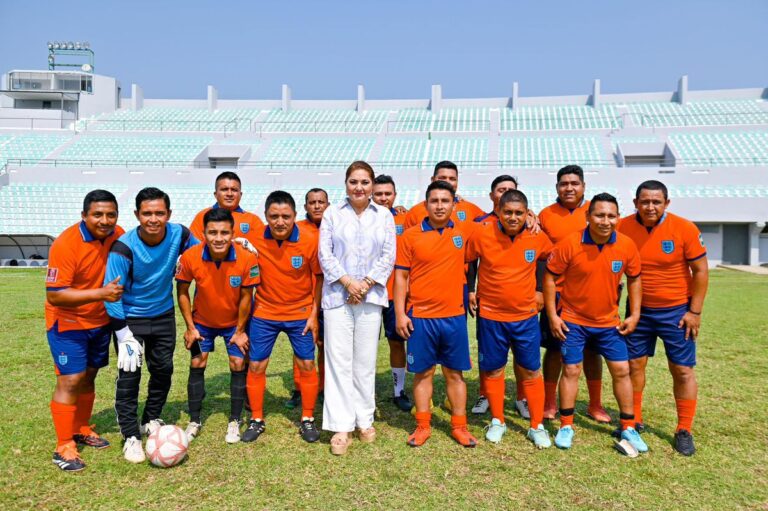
(293, 238)
(85, 233)
(559, 203)
(486, 216)
(236, 210)
(306, 217)
(425, 226)
(231, 256)
(640, 220)
(587, 239)
(393, 211)
(510, 236)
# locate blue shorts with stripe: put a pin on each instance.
(209, 335)
(496, 338)
(442, 341)
(264, 332)
(662, 322)
(75, 350)
(390, 331)
(606, 341)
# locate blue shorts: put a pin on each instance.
(606, 341)
(390, 332)
(75, 350)
(496, 338)
(442, 341)
(662, 323)
(264, 332)
(208, 345)
(549, 341)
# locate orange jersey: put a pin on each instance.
(592, 274)
(666, 251)
(435, 261)
(288, 270)
(558, 222)
(463, 212)
(506, 288)
(247, 225)
(309, 225)
(399, 230)
(217, 284)
(487, 218)
(79, 261)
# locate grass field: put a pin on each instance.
(279, 471)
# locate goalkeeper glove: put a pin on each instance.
(129, 350)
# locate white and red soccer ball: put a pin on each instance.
(167, 446)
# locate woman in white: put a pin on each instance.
(357, 254)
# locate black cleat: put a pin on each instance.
(684, 443)
(640, 427)
(294, 401)
(255, 429)
(67, 458)
(402, 402)
(92, 440)
(308, 431)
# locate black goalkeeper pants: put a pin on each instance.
(158, 336)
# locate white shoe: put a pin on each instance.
(522, 408)
(233, 432)
(133, 451)
(193, 429)
(481, 405)
(151, 426)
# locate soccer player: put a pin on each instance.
(675, 279)
(286, 301)
(592, 263)
(500, 185)
(143, 320)
(228, 194)
(559, 220)
(224, 276)
(315, 204)
(430, 270)
(463, 210)
(77, 324)
(508, 312)
(384, 194)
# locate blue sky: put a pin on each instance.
(399, 48)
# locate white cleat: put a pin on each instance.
(481, 406)
(233, 432)
(133, 451)
(522, 408)
(151, 426)
(193, 429)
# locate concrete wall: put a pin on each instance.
(763, 249)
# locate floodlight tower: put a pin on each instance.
(76, 49)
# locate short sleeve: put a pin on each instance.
(545, 246)
(184, 271)
(634, 266)
(473, 249)
(62, 265)
(196, 227)
(693, 243)
(559, 258)
(251, 273)
(404, 253)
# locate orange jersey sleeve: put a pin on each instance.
(399, 230)
(558, 222)
(246, 225)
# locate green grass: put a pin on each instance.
(282, 472)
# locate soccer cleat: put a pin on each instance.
(463, 436)
(481, 405)
(151, 426)
(599, 415)
(133, 451)
(193, 429)
(684, 443)
(90, 438)
(521, 406)
(633, 437)
(495, 431)
(419, 436)
(640, 427)
(308, 430)
(67, 458)
(255, 429)
(564, 437)
(626, 448)
(233, 432)
(539, 437)
(402, 402)
(294, 401)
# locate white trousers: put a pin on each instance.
(351, 342)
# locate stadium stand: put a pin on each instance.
(545, 152)
(559, 117)
(30, 148)
(722, 191)
(735, 148)
(320, 152)
(322, 121)
(698, 113)
(423, 153)
(447, 119)
(124, 151)
(174, 119)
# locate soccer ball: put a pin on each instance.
(167, 446)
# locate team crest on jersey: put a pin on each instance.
(63, 359)
(667, 246)
(462, 215)
(399, 229)
(245, 227)
(616, 266)
(458, 242)
(297, 261)
(53, 275)
(254, 271)
(530, 255)
(701, 239)
(235, 280)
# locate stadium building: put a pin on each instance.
(63, 133)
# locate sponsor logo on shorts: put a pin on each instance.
(667, 246)
(399, 229)
(297, 261)
(235, 280)
(530, 256)
(458, 242)
(254, 271)
(53, 275)
(616, 266)
(245, 227)
(462, 215)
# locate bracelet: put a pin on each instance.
(694, 313)
(369, 281)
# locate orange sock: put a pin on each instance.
(534, 393)
(520, 389)
(63, 420)
(550, 395)
(686, 410)
(321, 372)
(296, 376)
(494, 392)
(423, 419)
(595, 388)
(627, 423)
(309, 386)
(458, 421)
(255, 385)
(566, 419)
(637, 399)
(83, 413)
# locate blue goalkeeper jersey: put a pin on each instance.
(146, 272)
